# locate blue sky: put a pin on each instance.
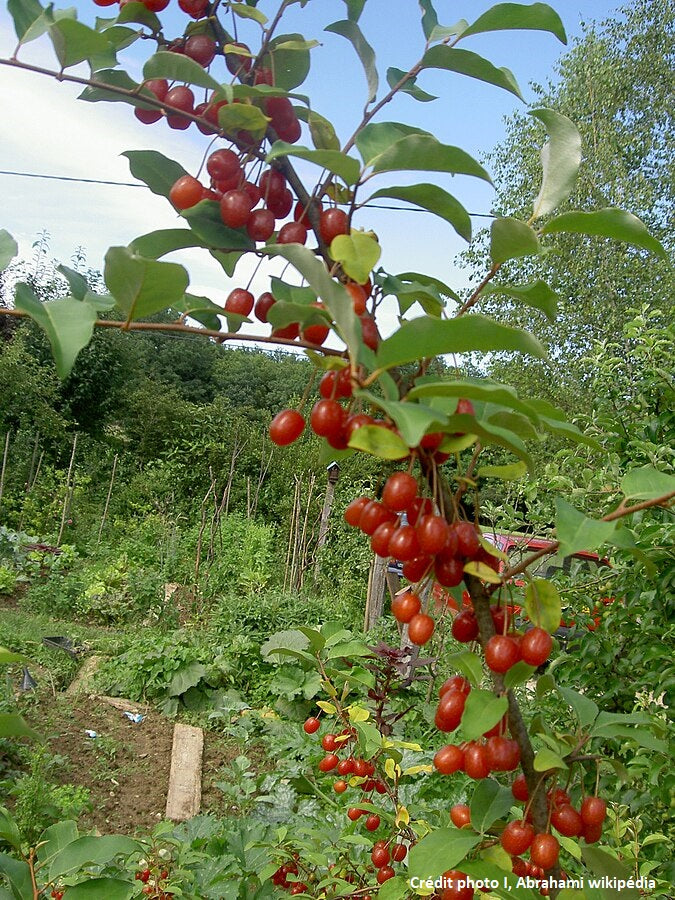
(46, 130)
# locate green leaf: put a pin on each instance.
(429, 17)
(373, 140)
(68, 323)
(187, 676)
(76, 282)
(354, 9)
(560, 160)
(12, 725)
(423, 152)
(542, 604)
(8, 249)
(490, 801)
(154, 169)
(610, 223)
(243, 117)
(55, 838)
(482, 712)
(202, 309)
(433, 199)
(443, 849)
(24, 14)
(602, 864)
(379, 441)
(291, 639)
(394, 889)
(75, 42)
(564, 429)
(334, 297)
(227, 260)
(358, 252)
(409, 86)
(17, 873)
(290, 66)
(178, 67)
(518, 674)
(205, 220)
(347, 649)
(115, 78)
(464, 62)
(586, 710)
(647, 483)
(9, 830)
(517, 16)
(546, 759)
(158, 243)
(91, 850)
(476, 389)
(536, 294)
(428, 337)
(322, 131)
(511, 472)
(413, 420)
(575, 531)
(142, 286)
(346, 167)
(640, 736)
(469, 664)
(110, 888)
(138, 12)
(511, 239)
(350, 30)
(248, 12)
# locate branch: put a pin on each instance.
(473, 299)
(173, 327)
(622, 510)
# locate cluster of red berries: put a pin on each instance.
(280, 878)
(153, 888)
(383, 854)
(503, 650)
(56, 894)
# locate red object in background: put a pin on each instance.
(517, 547)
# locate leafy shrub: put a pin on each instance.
(7, 580)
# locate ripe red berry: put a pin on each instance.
(593, 811)
(449, 759)
(544, 851)
(475, 762)
(399, 491)
(340, 786)
(354, 813)
(326, 418)
(186, 192)
(399, 852)
(501, 652)
(260, 225)
(235, 208)
(372, 823)
(432, 533)
(328, 763)
(535, 646)
(519, 789)
(405, 606)
(379, 856)
(379, 541)
(369, 333)
(415, 569)
(465, 626)
(384, 874)
(460, 815)
(263, 305)
(455, 683)
(286, 427)
(517, 837)
(453, 889)
(567, 821)
(237, 63)
(374, 514)
(329, 743)
(449, 572)
(467, 539)
(421, 628)
(239, 301)
(450, 710)
(201, 48)
(465, 407)
(292, 233)
(333, 222)
(403, 544)
(311, 725)
(352, 513)
(358, 296)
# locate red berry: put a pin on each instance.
(328, 763)
(467, 539)
(369, 332)
(358, 296)
(340, 786)
(379, 541)
(239, 301)
(449, 572)
(449, 759)
(311, 725)
(465, 407)
(421, 628)
(535, 647)
(399, 491)
(455, 683)
(235, 208)
(399, 852)
(592, 833)
(329, 743)
(326, 418)
(460, 814)
(501, 652)
(517, 837)
(237, 63)
(333, 222)
(405, 606)
(503, 755)
(475, 762)
(455, 886)
(403, 544)
(379, 856)
(519, 789)
(354, 813)
(374, 514)
(186, 192)
(201, 48)
(292, 233)
(432, 533)
(567, 821)
(260, 225)
(352, 513)
(544, 851)
(450, 710)
(372, 823)
(465, 626)
(286, 427)
(593, 811)
(415, 569)
(263, 305)
(384, 874)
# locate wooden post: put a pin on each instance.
(302, 558)
(69, 493)
(107, 500)
(200, 538)
(376, 588)
(4, 466)
(333, 474)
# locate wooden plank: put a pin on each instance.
(185, 778)
(82, 681)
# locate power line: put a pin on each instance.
(136, 185)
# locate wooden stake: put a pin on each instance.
(69, 493)
(4, 466)
(107, 500)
